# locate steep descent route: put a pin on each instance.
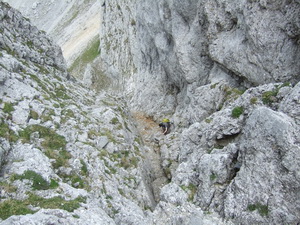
(152, 137)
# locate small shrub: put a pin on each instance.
(114, 121)
(253, 101)
(268, 96)
(213, 176)
(263, 210)
(237, 111)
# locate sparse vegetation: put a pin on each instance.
(7, 187)
(263, 210)
(114, 121)
(20, 207)
(191, 190)
(237, 111)
(7, 133)
(52, 140)
(213, 176)
(8, 107)
(269, 96)
(253, 101)
(88, 56)
(38, 182)
(84, 169)
(232, 93)
(33, 115)
(208, 120)
(54, 144)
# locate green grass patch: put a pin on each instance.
(237, 111)
(53, 144)
(39, 183)
(42, 69)
(75, 180)
(7, 187)
(61, 157)
(263, 210)
(7, 133)
(52, 140)
(20, 207)
(106, 132)
(269, 97)
(47, 115)
(92, 134)
(8, 107)
(88, 55)
(84, 169)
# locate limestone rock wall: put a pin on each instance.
(179, 46)
(227, 74)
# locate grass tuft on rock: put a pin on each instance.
(237, 111)
(263, 210)
(52, 140)
(20, 207)
(38, 182)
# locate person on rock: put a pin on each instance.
(165, 125)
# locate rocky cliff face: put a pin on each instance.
(176, 47)
(73, 156)
(227, 74)
(67, 156)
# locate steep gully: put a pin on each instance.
(152, 138)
